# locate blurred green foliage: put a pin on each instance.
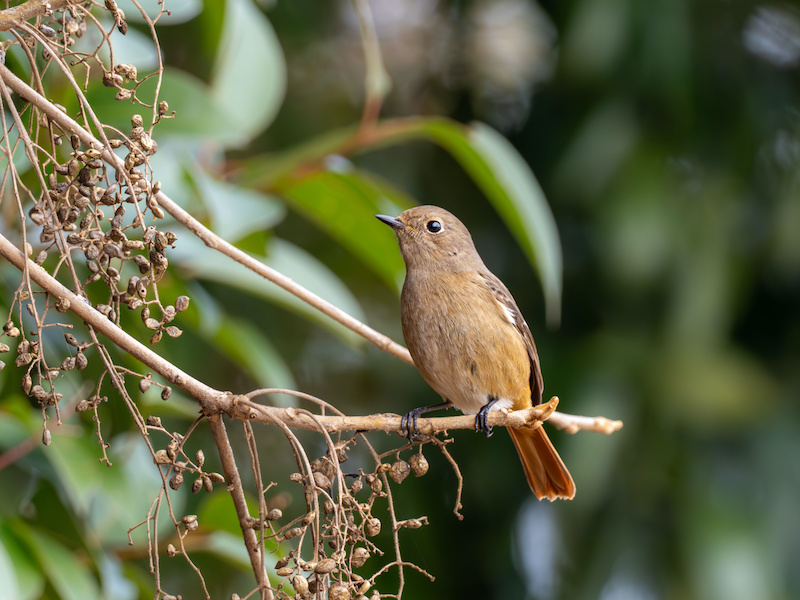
(665, 137)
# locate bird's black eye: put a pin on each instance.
(433, 226)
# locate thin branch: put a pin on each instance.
(11, 18)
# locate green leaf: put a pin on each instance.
(512, 187)
(197, 116)
(236, 212)
(249, 81)
(70, 577)
(288, 259)
(486, 156)
(344, 203)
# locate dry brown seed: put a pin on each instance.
(399, 471)
(38, 392)
(357, 486)
(376, 486)
(197, 485)
(23, 359)
(292, 533)
(217, 478)
(359, 556)
(27, 384)
(207, 484)
(166, 393)
(80, 361)
(300, 584)
(162, 457)
(419, 464)
(274, 514)
(322, 481)
(282, 562)
(47, 437)
(153, 421)
(4, 348)
(62, 305)
(144, 385)
(41, 257)
(326, 565)
(137, 121)
(176, 481)
(68, 364)
(163, 108)
(123, 94)
(151, 323)
(171, 551)
(284, 571)
(338, 592)
(82, 406)
(173, 331)
(372, 527)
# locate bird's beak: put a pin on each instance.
(391, 221)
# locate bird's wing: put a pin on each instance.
(514, 315)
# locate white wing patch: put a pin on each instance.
(510, 313)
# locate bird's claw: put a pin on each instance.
(482, 421)
(409, 424)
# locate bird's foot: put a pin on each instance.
(482, 418)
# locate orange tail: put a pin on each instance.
(547, 475)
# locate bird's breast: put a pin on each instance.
(463, 343)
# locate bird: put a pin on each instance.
(469, 339)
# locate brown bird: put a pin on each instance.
(468, 338)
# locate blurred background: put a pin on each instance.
(666, 138)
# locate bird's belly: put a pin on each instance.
(470, 366)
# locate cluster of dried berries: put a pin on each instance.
(179, 465)
(346, 526)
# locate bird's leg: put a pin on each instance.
(409, 420)
(482, 419)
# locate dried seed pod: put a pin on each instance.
(326, 565)
(173, 331)
(81, 361)
(217, 478)
(162, 457)
(23, 359)
(137, 121)
(62, 305)
(372, 527)
(274, 514)
(176, 481)
(359, 556)
(82, 406)
(292, 533)
(322, 481)
(112, 80)
(152, 323)
(419, 464)
(207, 484)
(399, 471)
(197, 485)
(166, 393)
(190, 521)
(47, 437)
(376, 486)
(41, 257)
(171, 551)
(123, 94)
(357, 486)
(153, 421)
(27, 384)
(4, 348)
(38, 392)
(300, 585)
(338, 592)
(284, 571)
(144, 385)
(68, 363)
